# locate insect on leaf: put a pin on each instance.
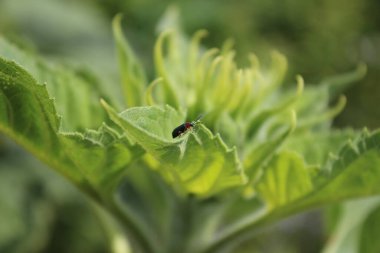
(197, 162)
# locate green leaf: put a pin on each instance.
(72, 92)
(197, 162)
(262, 116)
(339, 83)
(261, 154)
(284, 180)
(325, 143)
(28, 116)
(353, 173)
(22, 100)
(75, 97)
(369, 233)
(101, 156)
(168, 83)
(356, 228)
(132, 74)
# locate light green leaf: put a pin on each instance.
(264, 115)
(197, 162)
(324, 143)
(76, 98)
(132, 74)
(284, 179)
(354, 173)
(261, 154)
(101, 156)
(168, 83)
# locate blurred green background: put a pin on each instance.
(40, 212)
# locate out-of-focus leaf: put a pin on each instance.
(356, 216)
(351, 157)
(198, 162)
(132, 74)
(284, 180)
(35, 201)
(313, 106)
(317, 146)
(354, 172)
(258, 157)
(262, 116)
(25, 213)
(339, 83)
(71, 92)
(369, 233)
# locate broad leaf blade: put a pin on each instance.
(285, 179)
(355, 172)
(22, 100)
(76, 98)
(94, 162)
(102, 157)
(323, 144)
(198, 162)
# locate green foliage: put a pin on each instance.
(356, 227)
(30, 118)
(132, 74)
(200, 164)
(273, 185)
(247, 165)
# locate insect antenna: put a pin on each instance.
(198, 119)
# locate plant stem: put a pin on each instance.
(141, 242)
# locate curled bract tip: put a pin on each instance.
(300, 84)
(200, 34)
(105, 105)
(293, 123)
(362, 68)
(149, 91)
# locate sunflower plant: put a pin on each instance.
(262, 152)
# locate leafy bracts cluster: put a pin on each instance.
(264, 151)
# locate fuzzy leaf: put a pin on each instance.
(198, 162)
(27, 110)
(71, 91)
(324, 143)
(285, 179)
(94, 161)
(354, 173)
